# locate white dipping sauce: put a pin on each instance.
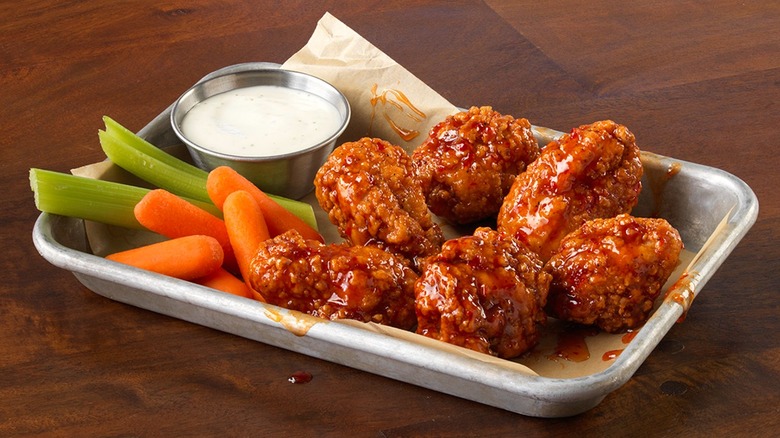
(260, 121)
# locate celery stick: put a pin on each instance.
(128, 137)
(301, 209)
(162, 169)
(92, 199)
(152, 170)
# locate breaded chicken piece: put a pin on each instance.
(485, 292)
(335, 281)
(609, 272)
(371, 195)
(469, 161)
(592, 172)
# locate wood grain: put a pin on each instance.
(697, 81)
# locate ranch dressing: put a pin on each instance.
(260, 121)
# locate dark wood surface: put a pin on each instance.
(699, 81)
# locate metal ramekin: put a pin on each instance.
(290, 175)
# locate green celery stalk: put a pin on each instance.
(92, 199)
(152, 170)
(301, 209)
(148, 162)
(128, 137)
(75, 196)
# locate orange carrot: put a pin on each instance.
(246, 227)
(223, 180)
(167, 214)
(226, 282)
(186, 257)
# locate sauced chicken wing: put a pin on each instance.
(592, 172)
(335, 281)
(485, 292)
(370, 193)
(469, 161)
(609, 272)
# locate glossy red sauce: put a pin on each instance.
(300, 377)
(572, 345)
(613, 354)
(629, 336)
(682, 293)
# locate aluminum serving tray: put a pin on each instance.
(693, 198)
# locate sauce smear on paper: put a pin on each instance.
(295, 325)
(398, 100)
(572, 345)
(613, 354)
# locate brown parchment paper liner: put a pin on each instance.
(378, 90)
(387, 100)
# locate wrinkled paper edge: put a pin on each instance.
(392, 102)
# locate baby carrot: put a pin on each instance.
(246, 227)
(224, 180)
(226, 282)
(165, 213)
(186, 257)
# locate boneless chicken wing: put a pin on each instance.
(609, 272)
(370, 193)
(485, 292)
(468, 162)
(335, 281)
(592, 172)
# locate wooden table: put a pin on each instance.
(699, 82)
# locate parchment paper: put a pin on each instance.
(387, 100)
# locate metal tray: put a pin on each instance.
(711, 208)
